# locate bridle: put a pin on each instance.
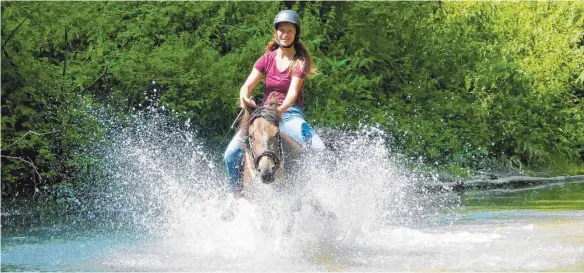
(277, 157)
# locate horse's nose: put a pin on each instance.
(268, 174)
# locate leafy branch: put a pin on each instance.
(36, 179)
(36, 176)
(19, 25)
(29, 133)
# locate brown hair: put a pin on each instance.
(301, 57)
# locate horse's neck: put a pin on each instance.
(291, 148)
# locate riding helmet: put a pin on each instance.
(288, 16)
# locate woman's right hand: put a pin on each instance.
(246, 102)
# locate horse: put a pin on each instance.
(268, 151)
(270, 156)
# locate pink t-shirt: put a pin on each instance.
(277, 83)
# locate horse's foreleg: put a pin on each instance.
(321, 210)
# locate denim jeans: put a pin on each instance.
(293, 124)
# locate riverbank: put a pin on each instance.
(510, 182)
(30, 213)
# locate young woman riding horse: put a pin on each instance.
(284, 67)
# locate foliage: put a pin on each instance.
(462, 81)
(452, 82)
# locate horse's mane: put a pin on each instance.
(266, 112)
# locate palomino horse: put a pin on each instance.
(268, 151)
(270, 154)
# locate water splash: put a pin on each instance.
(171, 191)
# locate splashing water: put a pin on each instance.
(168, 192)
(173, 191)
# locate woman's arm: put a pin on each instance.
(295, 85)
(252, 80)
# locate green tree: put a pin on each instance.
(452, 82)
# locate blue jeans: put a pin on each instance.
(293, 124)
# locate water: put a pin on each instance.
(155, 204)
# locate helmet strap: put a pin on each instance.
(280, 45)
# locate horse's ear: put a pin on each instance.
(274, 102)
(249, 108)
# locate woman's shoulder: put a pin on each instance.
(265, 61)
(269, 54)
(301, 62)
(268, 57)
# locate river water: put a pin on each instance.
(502, 240)
(156, 201)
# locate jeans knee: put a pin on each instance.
(231, 157)
(306, 133)
(227, 155)
(311, 139)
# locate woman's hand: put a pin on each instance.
(246, 103)
(252, 80)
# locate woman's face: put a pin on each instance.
(285, 33)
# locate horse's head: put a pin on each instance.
(264, 140)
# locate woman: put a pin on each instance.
(285, 65)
